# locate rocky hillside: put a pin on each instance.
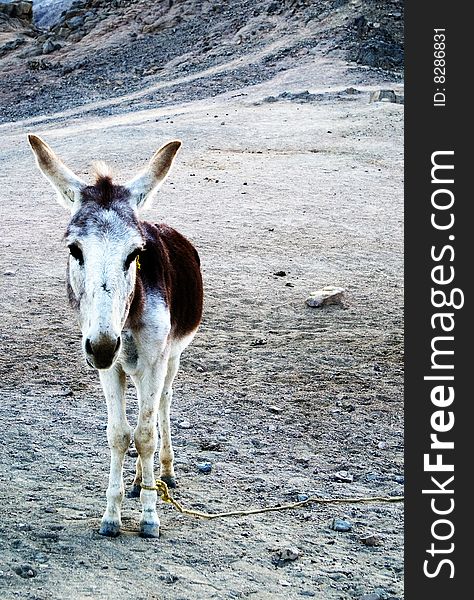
(99, 49)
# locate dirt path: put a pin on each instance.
(309, 188)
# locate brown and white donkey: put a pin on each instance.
(137, 290)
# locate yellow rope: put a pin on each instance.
(162, 489)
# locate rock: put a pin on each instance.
(343, 477)
(302, 497)
(185, 424)
(25, 571)
(204, 467)
(18, 10)
(280, 274)
(341, 525)
(371, 539)
(50, 46)
(77, 36)
(386, 96)
(276, 410)
(285, 555)
(75, 22)
(326, 296)
(11, 45)
(132, 452)
(9, 273)
(169, 578)
(380, 53)
(210, 446)
(259, 342)
(65, 393)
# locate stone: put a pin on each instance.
(302, 497)
(77, 36)
(50, 46)
(386, 96)
(75, 22)
(276, 410)
(18, 10)
(326, 296)
(371, 539)
(204, 467)
(380, 53)
(341, 525)
(210, 446)
(11, 45)
(343, 477)
(185, 424)
(285, 555)
(258, 342)
(25, 571)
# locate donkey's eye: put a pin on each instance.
(76, 253)
(131, 257)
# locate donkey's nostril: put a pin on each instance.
(117, 345)
(88, 347)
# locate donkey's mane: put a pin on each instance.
(104, 192)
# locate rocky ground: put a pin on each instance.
(100, 49)
(290, 179)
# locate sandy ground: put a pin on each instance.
(313, 189)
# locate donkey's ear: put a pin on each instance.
(64, 181)
(144, 185)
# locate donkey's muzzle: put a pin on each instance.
(102, 351)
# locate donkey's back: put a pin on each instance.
(170, 267)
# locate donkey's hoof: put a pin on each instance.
(169, 480)
(134, 491)
(149, 530)
(109, 528)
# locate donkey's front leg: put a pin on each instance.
(149, 386)
(118, 435)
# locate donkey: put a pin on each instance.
(137, 291)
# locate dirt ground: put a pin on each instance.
(280, 398)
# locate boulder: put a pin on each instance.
(325, 296)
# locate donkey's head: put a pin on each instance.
(104, 238)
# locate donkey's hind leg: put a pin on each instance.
(136, 485)
(166, 448)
